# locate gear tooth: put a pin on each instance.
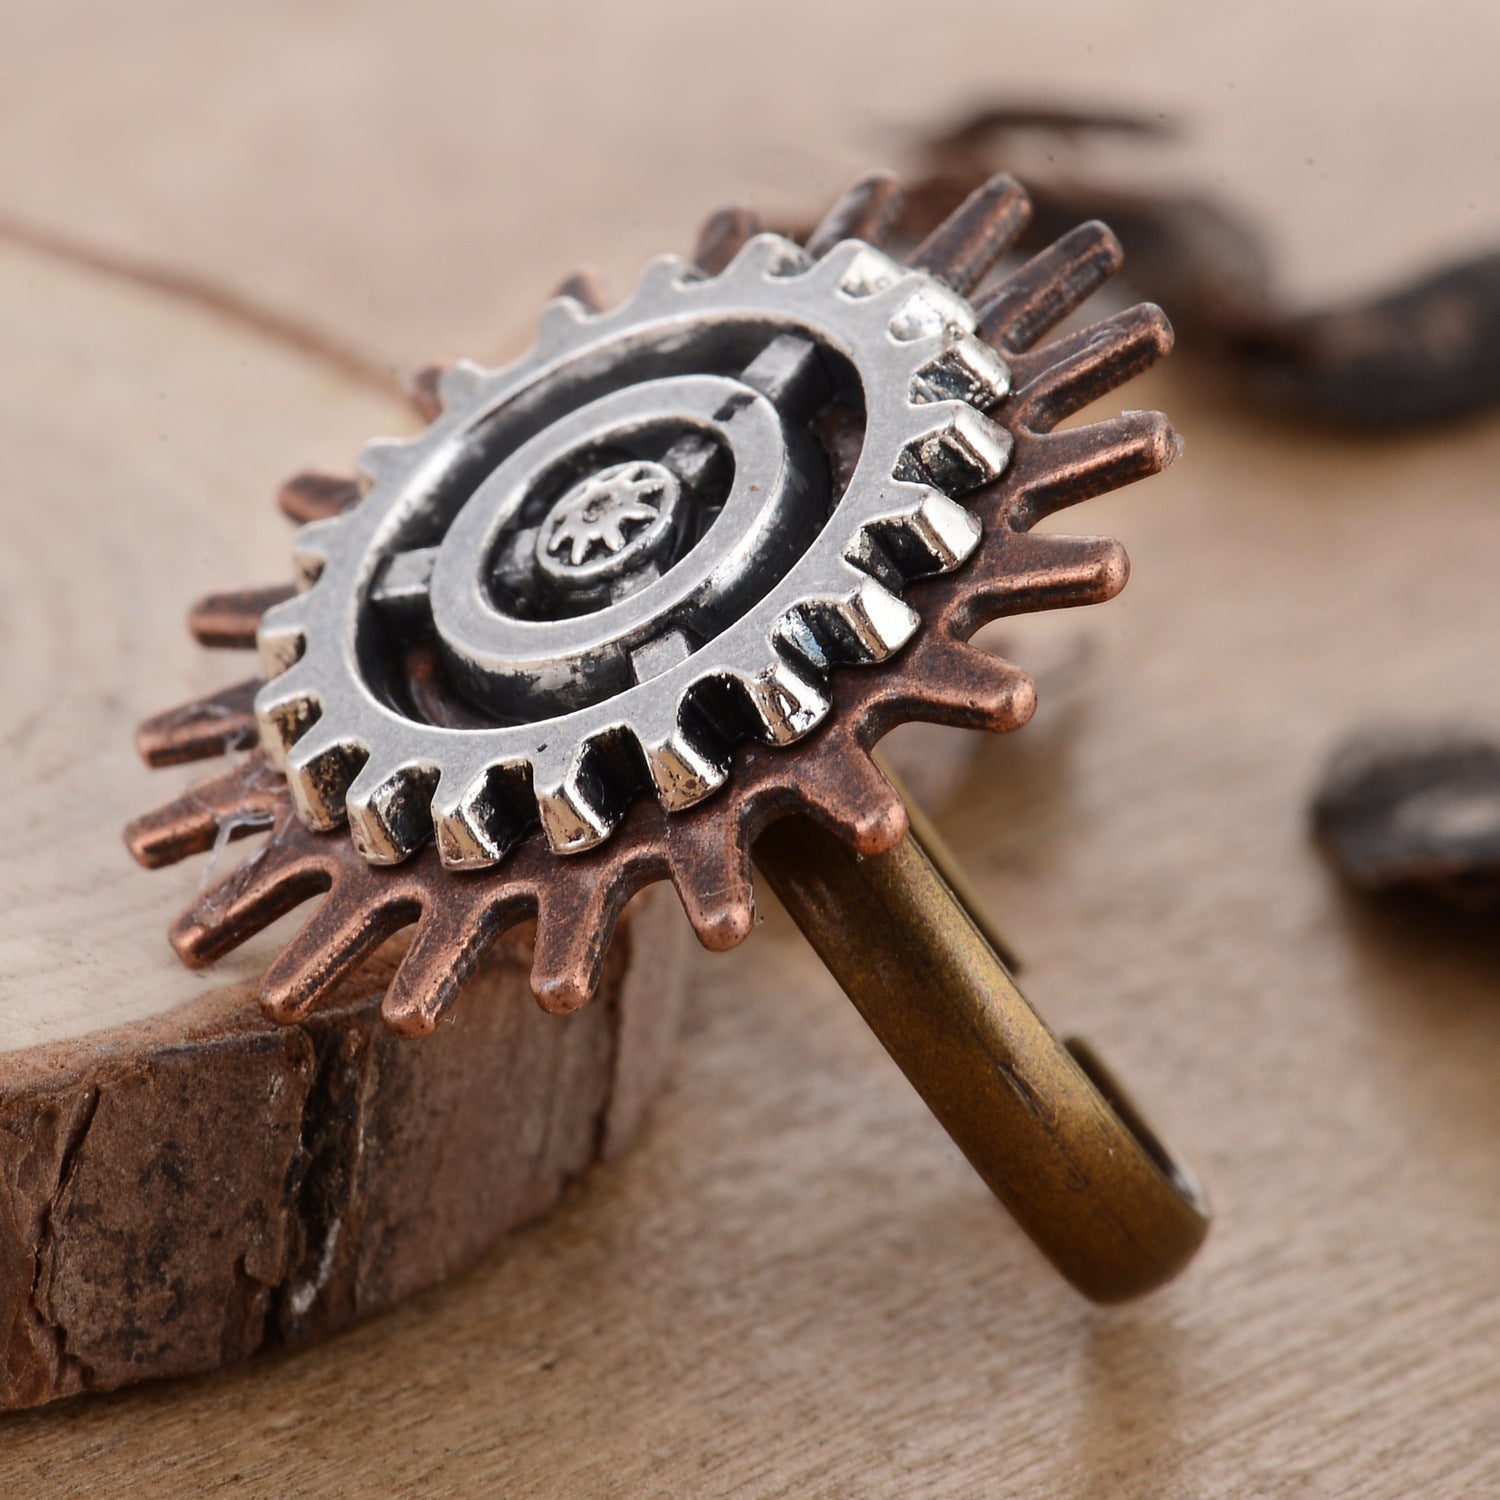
(240, 800)
(285, 709)
(473, 823)
(859, 270)
(314, 494)
(1068, 467)
(786, 703)
(312, 547)
(963, 687)
(282, 637)
(682, 771)
(574, 811)
(229, 621)
(769, 255)
(571, 939)
(948, 531)
(440, 958)
(963, 248)
(722, 235)
(587, 288)
(281, 646)
(212, 725)
(880, 622)
(966, 370)
(928, 309)
(1050, 285)
(958, 448)
(666, 273)
(1071, 372)
(710, 869)
(462, 840)
(254, 894)
(319, 769)
(382, 458)
(931, 534)
(851, 794)
(867, 211)
(559, 323)
(336, 939)
(422, 390)
(389, 813)
(864, 624)
(461, 383)
(1055, 570)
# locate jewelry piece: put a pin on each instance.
(648, 597)
(1409, 807)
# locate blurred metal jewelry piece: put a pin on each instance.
(1410, 807)
(648, 597)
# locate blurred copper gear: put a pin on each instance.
(829, 775)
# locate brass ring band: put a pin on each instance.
(1042, 1122)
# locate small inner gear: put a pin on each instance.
(612, 525)
(630, 550)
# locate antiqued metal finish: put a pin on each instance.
(1416, 808)
(1043, 1124)
(629, 603)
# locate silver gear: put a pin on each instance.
(645, 661)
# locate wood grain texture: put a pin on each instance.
(178, 1194)
(795, 1286)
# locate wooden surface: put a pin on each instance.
(182, 1192)
(794, 1286)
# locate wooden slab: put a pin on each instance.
(181, 1182)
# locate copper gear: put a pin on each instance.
(829, 775)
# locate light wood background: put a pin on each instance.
(793, 1285)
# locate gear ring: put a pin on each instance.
(829, 775)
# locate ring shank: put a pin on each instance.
(1066, 1153)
